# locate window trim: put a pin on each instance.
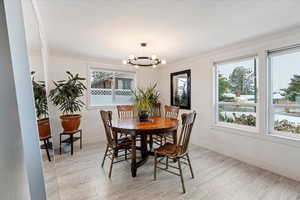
(271, 106)
(88, 91)
(216, 103)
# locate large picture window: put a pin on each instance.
(236, 93)
(284, 66)
(110, 87)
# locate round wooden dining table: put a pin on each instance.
(136, 128)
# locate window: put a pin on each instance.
(236, 93)
(284, 66)
(110, 87)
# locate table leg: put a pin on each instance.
(144, 146)
(150, 142)
(133, 156)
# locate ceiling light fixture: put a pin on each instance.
(144, 61)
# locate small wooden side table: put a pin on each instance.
(71, 139)
(47, 145)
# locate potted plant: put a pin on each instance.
(145, 99)
(66, 95)
(41, 107)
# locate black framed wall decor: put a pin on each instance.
(181, 89)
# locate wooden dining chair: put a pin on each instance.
(171, 112)
(115, 147)
(159, 139)
(178, 152)
(125, 111)
(155, 112)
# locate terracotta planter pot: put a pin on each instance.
(44, 128)
(70, 122)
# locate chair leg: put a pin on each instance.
(167, 162)
(104, 156)
(111, 165)
(190, 164)
(181, 175)
(155, 164)
(116, 153)
(126, 154)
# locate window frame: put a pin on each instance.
(90, 69)
(271, 106)
(217, 103)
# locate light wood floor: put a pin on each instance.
(217, 177)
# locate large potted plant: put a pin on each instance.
(41, 107)
(66, 95)
(145, 100)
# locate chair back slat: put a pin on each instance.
(171, 112)
(155, 111)
(106, 117)
(186, 130)
(125, 111)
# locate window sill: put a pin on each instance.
(235, 128)
(254, 133)
(286, 136)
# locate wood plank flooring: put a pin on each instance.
(217, 177)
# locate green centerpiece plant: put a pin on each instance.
(145, 100)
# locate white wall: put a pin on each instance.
(91, 124)
(276, 154)
(36, 65)
(20, 161)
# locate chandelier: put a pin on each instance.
(144, 61)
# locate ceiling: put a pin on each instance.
(173, 29)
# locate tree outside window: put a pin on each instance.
(237, 92)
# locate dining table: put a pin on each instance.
(142, 129)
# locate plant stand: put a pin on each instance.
(47, 145)
(71, 139)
